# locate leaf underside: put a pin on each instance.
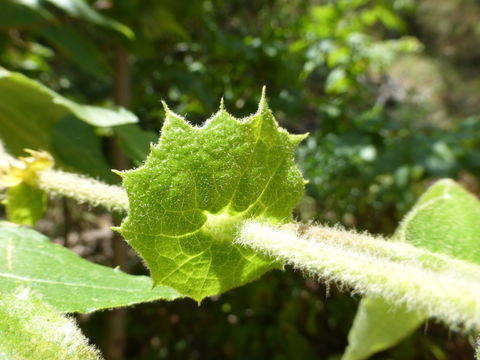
(444, 220)
(63, 279)
(197, 186)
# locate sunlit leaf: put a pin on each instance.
(63, 279)
(197, 186)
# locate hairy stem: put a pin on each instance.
(432, 284)
(83, 189)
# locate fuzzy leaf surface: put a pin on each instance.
(30, 329)
(197, 186)
(63, 279)
(445, 220)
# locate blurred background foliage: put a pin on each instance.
(388, 90)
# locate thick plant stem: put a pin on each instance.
(449, 292)
(83, 189)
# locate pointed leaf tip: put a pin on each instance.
(222, 105)
(296, 139)
(166, 108)
(179, 176)
(118, 172)
(263, 100)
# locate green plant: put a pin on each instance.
(209, 210)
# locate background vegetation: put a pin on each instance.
(387, 89)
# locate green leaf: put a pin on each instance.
(63, 279)
(135, 141)
(77, 48)
(171, 24)
(72, 137)
(30, 329)
(23, 12)
(25, 204)
(444, 220)
(29, 112)
(377, 326)
(82, 10)
(17, 13)
(197, 186)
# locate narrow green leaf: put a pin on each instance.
(25, 12)
(64, 280)
(30, 329)
(197, 186)
(16, 13)
(444, 220)
(82, 10)
(25, 204)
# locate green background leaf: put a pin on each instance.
(25, 204)
(197, 186)
(72, 137)
(21, 13)
(135, 141)
(26, 104)
(26, 12)
(30, 329)
(82, 10)
(63, 279)
(444, 220)
(78, 48)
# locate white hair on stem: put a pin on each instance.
(434, 285)
(83, 189)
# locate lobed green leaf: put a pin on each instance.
(197, 186)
